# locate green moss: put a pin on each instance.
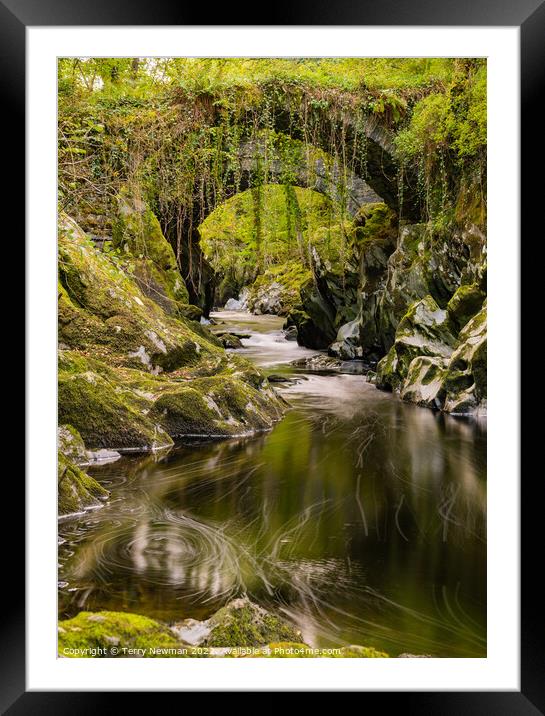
(217, 405)
(285, 280)
(103, 310)
(242, 623)
(465, 303)
(103, 413)
(70, 444)
(388, 376)
(185, 412)
(164, 286)
(77, 491)
(374, 223)
(230, 341)
(111, 632)
(138, 232)
(362, 652)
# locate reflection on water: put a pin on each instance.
(362, 518)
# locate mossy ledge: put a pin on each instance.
(132, 376)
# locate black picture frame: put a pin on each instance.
(529, 15)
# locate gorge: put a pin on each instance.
(331, 430)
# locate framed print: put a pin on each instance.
(263, 268)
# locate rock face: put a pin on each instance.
(337, 305)
(431, 367)
(425, 330)
(466, 378)
(137, 233)
(132, 375)
(409, 292)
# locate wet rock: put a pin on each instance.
(347, 344)
(319, 362)
(102, 456)
(230, 340)
(274, 378)
(290, 333)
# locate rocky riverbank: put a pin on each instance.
(240, 629)
(135, 372)
(409, 301)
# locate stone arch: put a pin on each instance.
(314, 170)
(377, 164)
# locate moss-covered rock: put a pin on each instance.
(465, 303)
(70, 444)
(216, 406)
(129, 373)
(403, 282)
(425, 330)
(77, 491)
(242, 623)
(138, 235)
(453, 380)
(239, 630)
(105, 413)
(116, 634)
(103, 310)
(230, 341)
(277, 290)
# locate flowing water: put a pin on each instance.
(360, 518)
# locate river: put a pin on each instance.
(359, 517)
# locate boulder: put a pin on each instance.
(424, 383)
(77, 491)
(116, 634)
(425, 330)
(233, 305)
(229, 340)
(243, 623)
(347, 343)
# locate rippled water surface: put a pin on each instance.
(361, 518)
